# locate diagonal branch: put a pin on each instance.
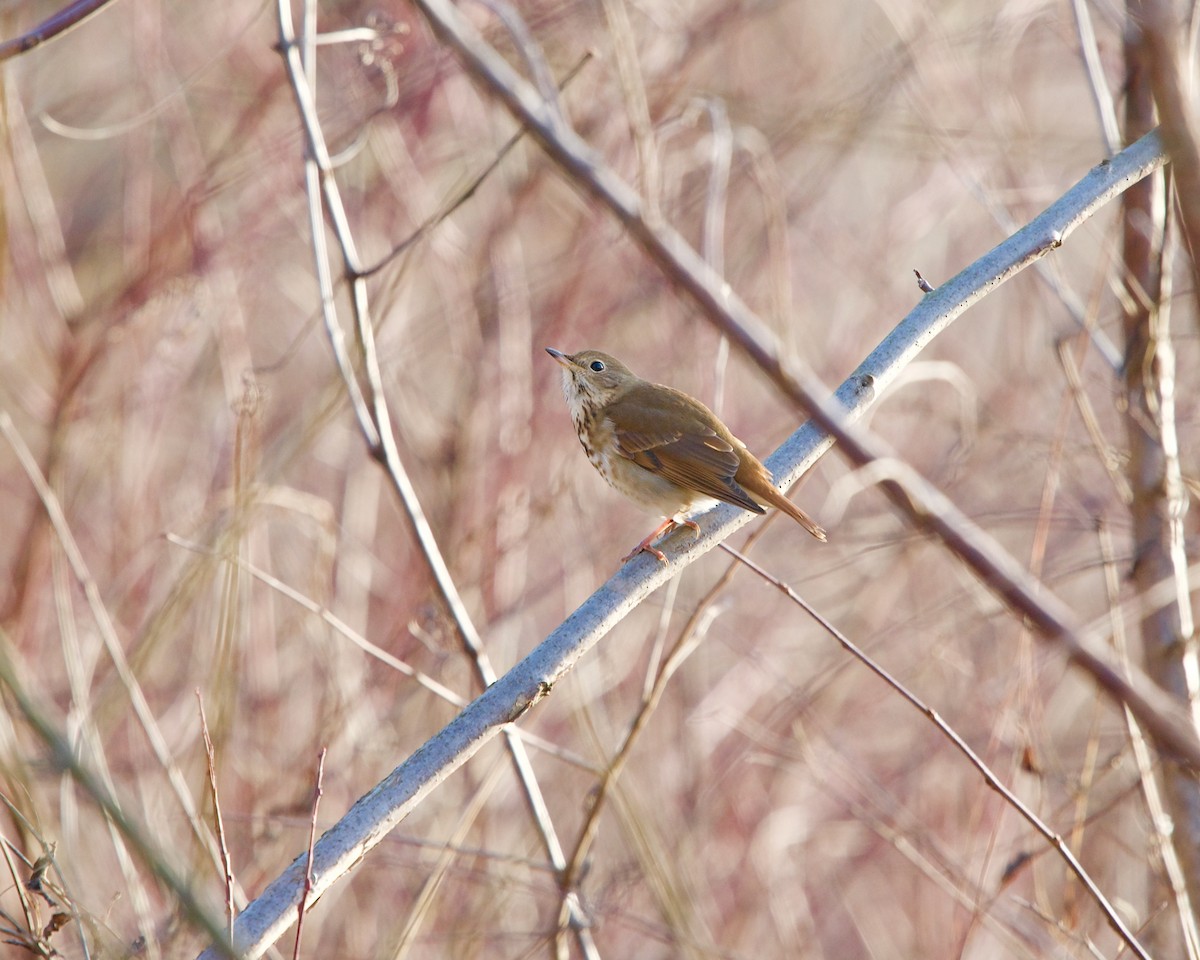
(914, 496)
(55, 25)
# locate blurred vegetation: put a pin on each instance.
(163, 356)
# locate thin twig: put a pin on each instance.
(332, 620)
(63, 755)
(455, 202)
(38, 872)
(1105, 452)
(990, 778)
(685, 643)
(210, 756)
(1098, 83)
(637, 105)
(1173, 82)
(1159, 821)
(435, 875)
(302, 906)
(108, 633)
(53, 26)
(1149, 241)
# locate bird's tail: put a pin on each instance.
(793, 511)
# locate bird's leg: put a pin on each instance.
(662, 530)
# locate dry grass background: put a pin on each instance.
(163, 356)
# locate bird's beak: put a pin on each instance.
(559, 356)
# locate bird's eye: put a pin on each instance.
(597, 365)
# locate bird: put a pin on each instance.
(661, 448)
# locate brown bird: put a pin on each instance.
(664, 450)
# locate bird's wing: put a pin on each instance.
(671, 441)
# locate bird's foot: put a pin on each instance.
(662, 530)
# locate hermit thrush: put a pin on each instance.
(661, 448)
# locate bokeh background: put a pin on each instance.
(162, 354)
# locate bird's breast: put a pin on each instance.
(598, 438)
(648, 489)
